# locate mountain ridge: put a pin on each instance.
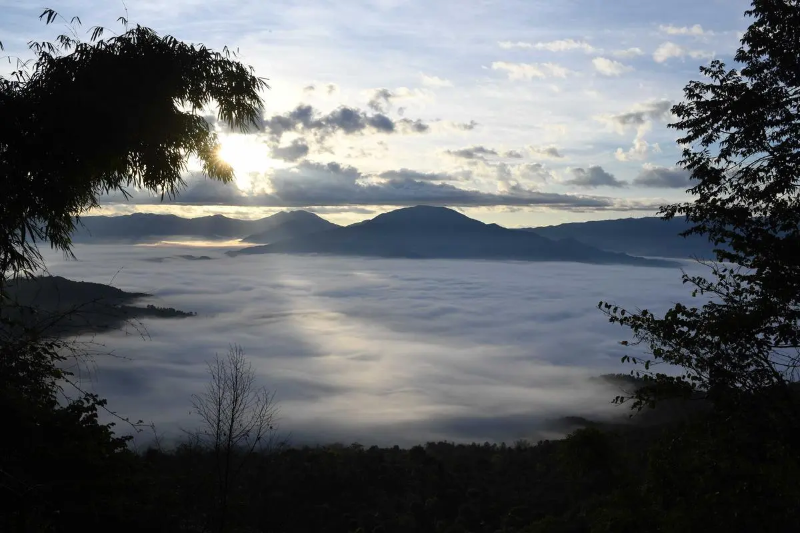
(427, 232)
(646, 236)
(148, 227)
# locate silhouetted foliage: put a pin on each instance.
(237, 418)
(742, 146)
(133, 103)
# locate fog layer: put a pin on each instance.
(372, 350)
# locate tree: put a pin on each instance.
(103, 115)
(741, 139)
(80, 120)
(237, 417)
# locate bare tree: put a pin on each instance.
(237, 417)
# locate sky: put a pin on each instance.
(377, 351)
(520, 112)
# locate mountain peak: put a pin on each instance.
(298, 214)
(425, 216)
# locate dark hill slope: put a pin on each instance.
(651, 236)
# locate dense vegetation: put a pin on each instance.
(732, 465)
(705, 475)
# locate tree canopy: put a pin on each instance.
(741, 139)
(80, 120)
(86, 118)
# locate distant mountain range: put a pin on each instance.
(148, 227)
(425, 232)
(412, 232)
(651, 236)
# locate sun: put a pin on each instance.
(246, 154)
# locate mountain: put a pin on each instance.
(61, 306)
(438, 232)
(651, 236)
(147, 227)
(290, 224)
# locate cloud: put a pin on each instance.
(513, 154)
(380, 100)
(592, 177)
(662, 177)
(669, 50)
(405, 174)
(434, 81)
(608, 67)
(298, 149)
(529, 71)
(464, 126)
(638, 151)
(507, 45)
(549, 152)
(407, 125)
(472, 152)
(346, 120)
(334, 184)
(640, 118)
(349, 209)
(329, 88)
(640, 115)
(696, 30)
(563, 45)
(628, 53)
(410, 347)
(533, 172)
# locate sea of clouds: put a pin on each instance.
(372, 350)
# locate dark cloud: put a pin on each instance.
(412, 126)
(534, 171)
(663, 178)
(331, 88)
(465, 126)
(380, 100)
(333, 184)
(513, 154)
(657, 110)
(594, 176)
(347, 120)
(408, 174)
(298, 149)
(545, 151)
(473, 152)
(309, 89)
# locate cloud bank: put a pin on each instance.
(376, 351)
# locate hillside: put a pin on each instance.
(288, 225)
(650, 236)
(59, 306)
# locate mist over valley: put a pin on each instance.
(369, 349)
